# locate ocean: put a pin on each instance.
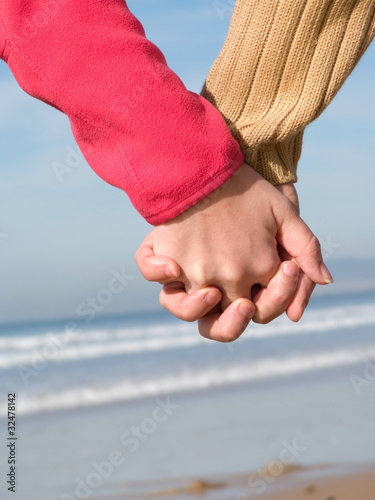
(200, 407)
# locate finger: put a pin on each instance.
(297, 239)
(229, 297)
(303, 292)
(273, 301)
(155, 268)
(301, 298)
(229, 325)
(290, 192)
(240, 288)
(188, 306)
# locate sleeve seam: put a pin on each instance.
(234, 165)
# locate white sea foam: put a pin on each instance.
(91, 344)
(52, 353)
(317, 321)
(25, 342)
(191, 380)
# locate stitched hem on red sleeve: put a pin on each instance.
(182, 206)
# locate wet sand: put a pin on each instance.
(323, 482)
(342, 486)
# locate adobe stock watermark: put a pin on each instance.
(137, 435)
(73, 159)
(131, 440)
(87, 310)
(365, 379)
(41, 18)
(141, 93)
(101, 471)
(259, 481)
(328, 247)
(223, 8)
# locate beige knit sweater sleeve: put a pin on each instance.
(282, 63)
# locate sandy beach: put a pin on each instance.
(360, 486)
(287, 413)
(324, 482)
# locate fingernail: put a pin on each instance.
(291, 269)
(209, 297)
(326, 274)
(170, 272)
(212, 299)
(246, 311)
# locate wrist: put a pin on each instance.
(241, 180)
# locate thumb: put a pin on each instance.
(155, 267)
(297, 239)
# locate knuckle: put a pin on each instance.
(137, 258)
(278, 298)
(163, 301)
(267, 318)
(184, 317)
(187, 316)
(177, 309)
(199, 275)
(232, 277)
(226, 337)
(314, 245)
(261, 320)
(266, 269)
(231, 336)
(222, 335)
(266, 314)
(181, 313)
(205, 331)
(153, 275)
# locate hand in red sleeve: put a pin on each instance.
(137, 125)
(229, 243)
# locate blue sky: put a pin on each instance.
(60, 241)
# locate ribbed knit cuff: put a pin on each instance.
(281, 65)
(276, 162)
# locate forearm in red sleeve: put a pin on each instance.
(133, 119)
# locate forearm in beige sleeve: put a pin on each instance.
(282, 63)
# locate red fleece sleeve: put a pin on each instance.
(133, 119)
